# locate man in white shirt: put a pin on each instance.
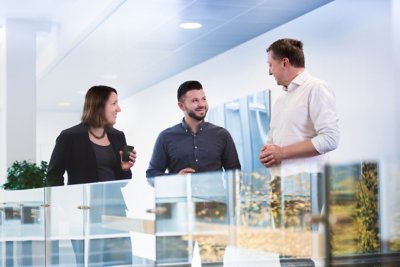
(304, 122)
(303, 128)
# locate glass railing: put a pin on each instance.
(78, 225)
(225, 219)
(231, 218)
(195, 217)
(22, 228)
(364, 214)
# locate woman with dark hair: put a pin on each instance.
(91, 151)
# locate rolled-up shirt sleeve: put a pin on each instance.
(323, 113)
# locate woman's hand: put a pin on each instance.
(126, 165)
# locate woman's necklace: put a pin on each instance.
(97, 136)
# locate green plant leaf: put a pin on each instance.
(26, 175)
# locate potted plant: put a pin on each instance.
(26, 175)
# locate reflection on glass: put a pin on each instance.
(89, 226)
(109, 239)
(277, 210)
(221, 217)
(172, 249)
(228, 213)
(65, 220)
(22, 228)
(197, 208)
(389, 198)
(258, 107)
(75, 225)
(210, 212)
(296, 199)
(355, 208)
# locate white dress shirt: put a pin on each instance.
(305, 110)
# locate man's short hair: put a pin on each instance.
(188, 86)
(289, 48)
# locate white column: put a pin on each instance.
(2, 109)
(18, 92)
(395, 8)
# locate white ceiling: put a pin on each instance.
(132, 44)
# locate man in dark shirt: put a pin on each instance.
(193, 145)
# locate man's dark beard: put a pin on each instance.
(194, 116)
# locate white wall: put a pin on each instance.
(49, 126)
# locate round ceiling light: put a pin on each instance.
(190, 25)
(64, 104)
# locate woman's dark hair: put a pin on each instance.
(289, 48)
(95, 101)
(188, 86)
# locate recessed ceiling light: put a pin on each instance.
(64, 104)
(190, 25)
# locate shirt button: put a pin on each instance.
(197, 160)
(195, 147)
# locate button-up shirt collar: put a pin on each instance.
(297, 81)
(202, 125)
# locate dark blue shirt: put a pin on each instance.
(210, 149)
